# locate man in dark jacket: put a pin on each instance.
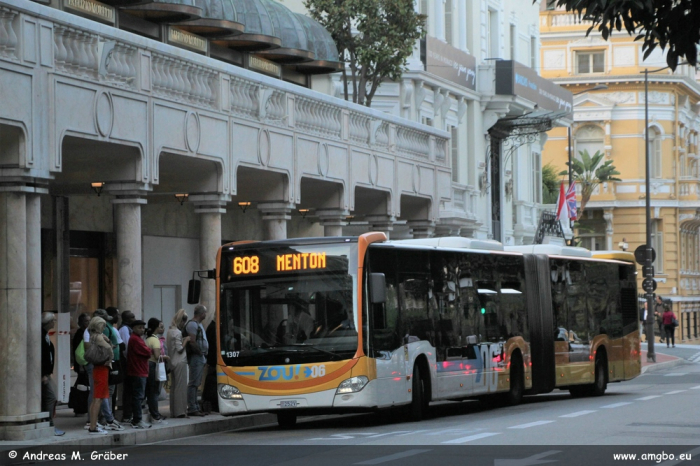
(48, 390)
(210, 400)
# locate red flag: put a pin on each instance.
(562, 207)
(571, 201)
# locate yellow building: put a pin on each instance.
(612, 121)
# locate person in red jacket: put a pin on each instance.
(137, 371)
(668, 318)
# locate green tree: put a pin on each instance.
(589, 173)
(375, 36)
(550, 184)
(672, 24)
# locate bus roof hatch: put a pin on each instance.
(550, 250)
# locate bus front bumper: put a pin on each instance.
(326, 399)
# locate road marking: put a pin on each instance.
(695, 358)
(676, 374)
(651, 397)
(578, 413)
(395, 456)
(530, 424)
(413, 432)
(695, 388)
(343, 436)
(390, 433)
(472, 437)
(617, 405)
(675, 391)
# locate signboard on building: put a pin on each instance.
(264, 66)
(445, 61)
(513, 78)
(187, 40)
(92, 9)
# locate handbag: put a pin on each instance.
(116, 375)
(78, 398)
(161, 374)
(674, 322)
(80, 354)
(98, 355)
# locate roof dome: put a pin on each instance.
(289, 28)
(323, 46)
(219, 19)
(259, 34)
(319, 39)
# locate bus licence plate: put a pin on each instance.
(288, 404)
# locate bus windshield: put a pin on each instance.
(287, 312)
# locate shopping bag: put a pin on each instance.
(161, 375)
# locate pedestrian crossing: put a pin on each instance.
(695, 357)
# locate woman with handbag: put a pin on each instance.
(99, 353)
(156, 369)
(670, 324)
(176, 345)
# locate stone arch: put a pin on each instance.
(186, 174)
(13, 149)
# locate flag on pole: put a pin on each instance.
(562, 205)
(571, 201)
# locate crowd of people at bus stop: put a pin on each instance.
(122, 363)
(664, 318)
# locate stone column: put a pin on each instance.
(275, 216)
(383, 223)
(34, 303)
(127, 225)
(439, 8)
(13, 304)
(20, 315)
(210, 207)
(421, 228)
(333, 221)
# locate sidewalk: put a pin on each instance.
(663, 361)
(170, 429)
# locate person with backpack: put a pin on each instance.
(197, 350)
(80, 391)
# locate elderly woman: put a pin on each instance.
(176, 345)
(100, 373)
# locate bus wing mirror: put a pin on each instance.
(377, 288)
(193, 290)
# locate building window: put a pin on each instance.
(536, 177)
(513, 39)
(448, 22)
(454, 149)
(589, 138)
(533, 53)
(426, 120)
(492, 35)
(657, 242)
(590, 62)
(655, 152)
(593, 242)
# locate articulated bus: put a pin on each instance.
(330, 325)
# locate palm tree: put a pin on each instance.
(589, 175)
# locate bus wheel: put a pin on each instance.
(517, 382)
(600, 385)
(417, 408)
(286, 420)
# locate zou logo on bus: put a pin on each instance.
(273, 373)
(486, 357)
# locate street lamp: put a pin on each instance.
(598, 87)
(649, 272)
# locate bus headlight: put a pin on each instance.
(352, 385)
(229, 392)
